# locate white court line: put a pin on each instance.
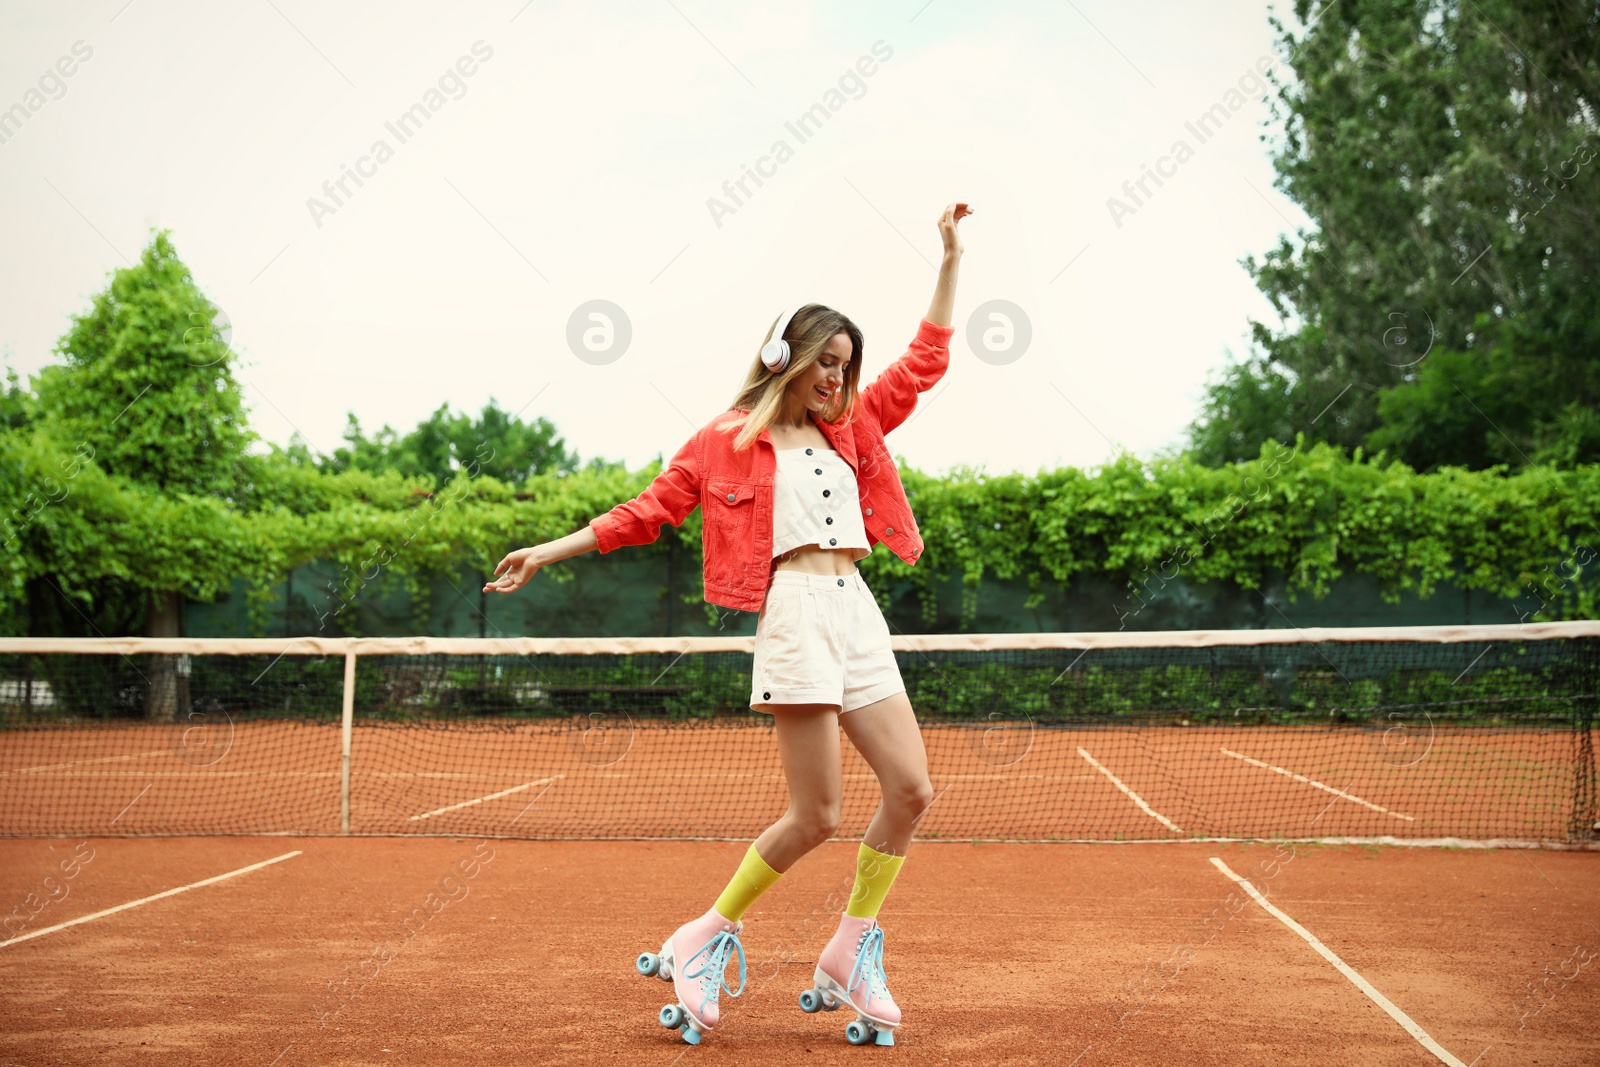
(1319, 785)
(1137, 799)
(863, 775)
(81, 762)
(202, 772)
(1345, 969)
(146, 900)
(480, 800)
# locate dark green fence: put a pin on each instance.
(657, 592)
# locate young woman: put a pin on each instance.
(797, 485)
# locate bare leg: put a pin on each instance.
(849, 967)
(808, 744)
(887, 736)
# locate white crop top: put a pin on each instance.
(815, 502)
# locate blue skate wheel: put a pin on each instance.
(690, 1034)
(671, 1016)
(884, 1037)
(648, 963)
(858, 1033)
(810, 1001)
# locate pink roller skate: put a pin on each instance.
(693, 960)
(856, 953)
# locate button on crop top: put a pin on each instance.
(816, 502)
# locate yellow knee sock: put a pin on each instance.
(752, 879)
(875, 873)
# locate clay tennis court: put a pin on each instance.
(383, 951)
(1092, 890)
(387, 950)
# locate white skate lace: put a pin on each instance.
(711, 972)
(869, 964)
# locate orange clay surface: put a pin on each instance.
(445, 950)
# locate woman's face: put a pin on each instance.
(818, 384)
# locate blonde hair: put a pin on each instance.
(808, 333)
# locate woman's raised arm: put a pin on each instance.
(943, 307)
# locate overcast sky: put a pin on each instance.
(578, 161)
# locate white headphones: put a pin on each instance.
(775, 353)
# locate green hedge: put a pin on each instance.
(1309, 513)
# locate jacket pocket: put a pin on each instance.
(729, 508)
(732, 494)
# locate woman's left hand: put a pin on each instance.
(947, 228)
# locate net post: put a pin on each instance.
(1584, 822)
(346, 719)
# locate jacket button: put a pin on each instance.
(825, 492)
(869, 511)
(829, 520)
(841, 581)
(808, 451)
(833, 540)
(730, 498)
(766, 696)
(890, 530)
(819, 470)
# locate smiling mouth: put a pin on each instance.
(825, 394)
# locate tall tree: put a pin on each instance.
(1445, 153)
(145, 389)
(501, 445)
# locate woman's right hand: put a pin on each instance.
(518, 567)
(947, 228)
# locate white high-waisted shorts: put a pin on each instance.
(821, 639)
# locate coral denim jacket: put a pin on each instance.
(735, 488)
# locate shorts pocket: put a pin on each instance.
(866, 595)
(790, 618)
(869, 616)
(868, 600)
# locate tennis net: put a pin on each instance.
(1480, 733)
